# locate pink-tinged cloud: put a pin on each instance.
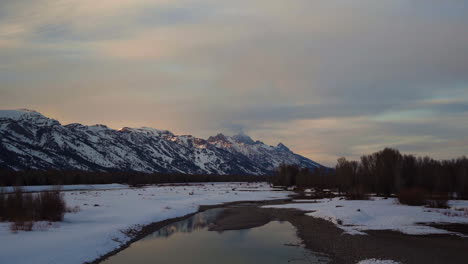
(328, 78)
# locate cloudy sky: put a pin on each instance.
(327, 78)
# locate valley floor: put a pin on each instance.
(109, 216)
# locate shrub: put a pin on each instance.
(438, 201)
(52, 206)
(413, 196)
(14, 205)
(23, 209)
(21, 226)
(2, 205)
(357, 193)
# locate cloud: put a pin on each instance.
(328, 78)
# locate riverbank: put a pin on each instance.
(322, 236)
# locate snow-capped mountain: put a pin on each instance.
(30, 140)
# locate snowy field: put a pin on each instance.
(97, 227)
(356, 216)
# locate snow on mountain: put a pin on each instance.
(26, 115)
(30, 140)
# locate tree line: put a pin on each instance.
(56, 177)
(385, 172)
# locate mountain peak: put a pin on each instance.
(30, 116)
(18, 114)
(219, 137)
(147, 131)
(243, 138)
(282, 147)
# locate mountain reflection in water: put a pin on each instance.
(196, 222)
(190, 241)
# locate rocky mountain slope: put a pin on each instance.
(30, 140)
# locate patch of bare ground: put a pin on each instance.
(457, 228)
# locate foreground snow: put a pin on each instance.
(382, 214)
(97, 228)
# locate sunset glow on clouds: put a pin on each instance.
(327, 78)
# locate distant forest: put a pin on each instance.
(386, 172)
(54, 177)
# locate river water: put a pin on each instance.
(190, 241)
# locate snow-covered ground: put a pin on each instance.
(97, 228)
(354, 217)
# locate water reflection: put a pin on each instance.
(197, 222)
(190, 241)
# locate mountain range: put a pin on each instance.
(29, 140)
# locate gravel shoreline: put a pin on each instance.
(321, 236)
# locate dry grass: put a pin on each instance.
(460, 212)
(437, 203)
